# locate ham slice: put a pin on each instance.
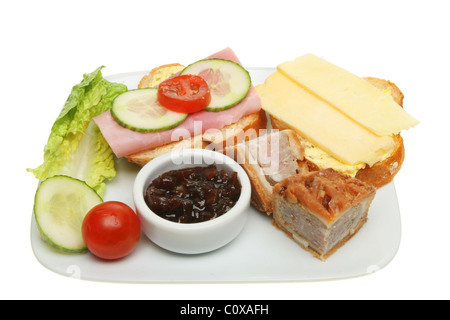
(125, 142)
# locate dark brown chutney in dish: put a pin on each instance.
(192, 195)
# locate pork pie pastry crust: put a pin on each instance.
(321, 210)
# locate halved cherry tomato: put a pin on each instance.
(186, 93)
(111, 230)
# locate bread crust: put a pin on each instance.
(261, 199)
(159, 74)
(383, 172)
(387, 85)
(256, 121)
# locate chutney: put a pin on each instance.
(192, 195)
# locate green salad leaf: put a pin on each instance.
(76, 147)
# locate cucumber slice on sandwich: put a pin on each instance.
(139, 110)
(60, 205)
(228, 81)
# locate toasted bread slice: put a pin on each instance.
(227, 136)
(384, 171)
(142, 158)
(159, 74)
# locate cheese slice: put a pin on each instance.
(372, 108)
(320, 123)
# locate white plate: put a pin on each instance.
(261, 253)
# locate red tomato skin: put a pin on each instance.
(186, 93)
(111, 230)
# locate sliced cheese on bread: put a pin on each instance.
(359, 100)
(321, 124)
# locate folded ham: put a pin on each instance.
(125, 142)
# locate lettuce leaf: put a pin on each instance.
(76, 146)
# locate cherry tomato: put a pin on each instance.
(186, 93)
(111, 230)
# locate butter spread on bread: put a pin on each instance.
(159, 74)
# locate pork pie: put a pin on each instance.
(321, 210)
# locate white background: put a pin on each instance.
(48, 45)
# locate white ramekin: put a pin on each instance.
(192, 238)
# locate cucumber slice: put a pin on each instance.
(228, 81)
(60, 205)
(139, 110)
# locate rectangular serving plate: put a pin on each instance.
(261, 253)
